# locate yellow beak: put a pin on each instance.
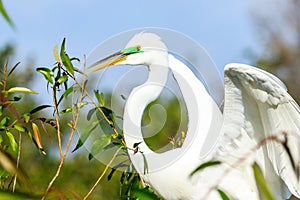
(108, 61)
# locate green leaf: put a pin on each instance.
(13, 69)
(21, 89)
(98, 146)
(39, 108)
(62, 79)
(108, 114)
(20, 127)
(262, 186)
(106, 126)
(5, 15)
(48, 73)
(26, 117)
(145, 164)
(65, 94)
(111, 174)
(12, 141)
(114, 169)
(67, 110)
(69, 91)
(85, 134)
(90, 113)
(144, 194)
(56, 54)
(205, 165)
(223, 195)
(66, 59)
(4, 122)
(99, 97)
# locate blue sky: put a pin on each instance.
(223, 28)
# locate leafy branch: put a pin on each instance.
(5, 15)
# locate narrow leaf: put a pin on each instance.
(68, 91)
(98, 146)
(111, 174)
(47, 73)
(67, 110)
(56, 54)
(85, 134)
(144, 194)
(108, 114)
(5, 15)
(26, 117)
(90, 113)
(66, 59)
(20, 127)
(13, 69)
(205, 165)
(145, 164)
(99, 97)
(62, 79)
(4, 122)
(262, 186)
(37, 137)
(21, 89)
(223, 195)
(12, 141)
(39, 108)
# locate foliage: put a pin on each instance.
(5, 15)
(264, 191)
(13, 124)
(205, 165)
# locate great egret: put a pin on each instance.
(260, 122)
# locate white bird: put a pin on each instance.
(260, 123)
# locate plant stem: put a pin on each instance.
(18, 161)
(102, 174)
(57, 120)
(63, 157)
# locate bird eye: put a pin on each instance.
(138, 47)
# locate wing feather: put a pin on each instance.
(257, 106)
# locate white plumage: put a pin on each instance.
(260, 123)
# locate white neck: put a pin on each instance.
(136, 103)
(205, 118)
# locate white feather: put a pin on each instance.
(257, 106)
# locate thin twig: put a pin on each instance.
(57, 121)
(74, 123)
(102, 174)
(18, 161)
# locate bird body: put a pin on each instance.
(260, 123)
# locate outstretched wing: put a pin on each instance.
(258, 107)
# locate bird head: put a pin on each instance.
(142, 49)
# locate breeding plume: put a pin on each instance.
(260, 124)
